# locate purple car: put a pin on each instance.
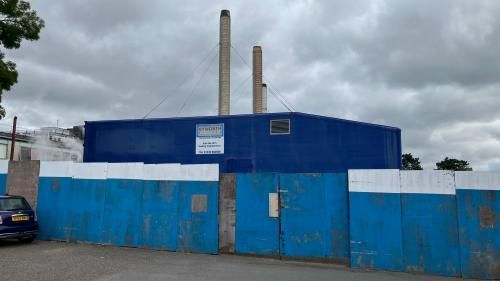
(17, 219)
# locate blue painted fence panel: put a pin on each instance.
(430, 234)
(85, 210)
(375, 219)
(3, 183)
(430, 230)
(198, 217)
(314, 216)
(256, 232)
(4, 170)
(52, 208)
(119, 204)
(158, 223)
(122, 205)
(478, 202)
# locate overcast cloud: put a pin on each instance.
(431, 68)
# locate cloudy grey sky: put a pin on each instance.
(431, 68)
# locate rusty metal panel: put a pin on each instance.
(478, 204)
(430, 230)
(85, 205)
(375, 219)
(227, 213)
(199, 203)
(314, 216)
(158, 221)
(120, 220)
(122, 206)
(118, 204)
(198, 231)
(256, 232)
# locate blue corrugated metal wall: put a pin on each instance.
(121, 212)
(158, 220)
(478, 201)
(4, 169)
(256, 232)
(3, 183)
(430, 234)
(130, 212)
(399, 220)
(314, 216)
(85, 206)
(375, 220)
(479, 235)
(376, 237)
(430, 230)
(198, 228)
(52, 210)
(442, 233)
(315, 143)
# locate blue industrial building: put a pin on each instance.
(274, 142)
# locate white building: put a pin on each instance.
(48, 144)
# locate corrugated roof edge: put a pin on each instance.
(251, 115)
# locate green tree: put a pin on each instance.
(17, 22)
(453, 165)
(410, 162)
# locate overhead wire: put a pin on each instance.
(237, 91)
(173, 91)
(197, 83)
(281, 98)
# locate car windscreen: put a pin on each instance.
(12, 204)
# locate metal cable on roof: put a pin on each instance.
(197, 83)
(173, 91)
(281, 99)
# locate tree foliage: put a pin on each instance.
(17, 22)
(410, 162)
(453, 165)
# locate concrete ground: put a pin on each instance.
(64, 261)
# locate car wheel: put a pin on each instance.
(27, 240)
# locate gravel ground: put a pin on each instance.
(64, 261)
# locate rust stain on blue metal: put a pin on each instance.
(479, 233)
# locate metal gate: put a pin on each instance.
(307, 220)
(257, 233)
(314, 216)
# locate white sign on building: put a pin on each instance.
(209, 138)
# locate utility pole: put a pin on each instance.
(13, 139)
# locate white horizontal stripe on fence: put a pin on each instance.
(477, 180)
(133, 171)
(201, 172)
(137, 170)
(56, 169)
(383, 181)
(162, 172)
(427, 182)
(96, 171)
(177, 172)
(4, 166)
